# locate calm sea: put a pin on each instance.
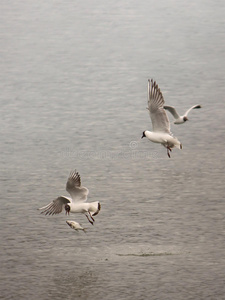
(73, 96)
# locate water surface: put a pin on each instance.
(73, 95)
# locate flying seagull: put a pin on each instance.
(74, 204)
(180, 119)
(160, 123)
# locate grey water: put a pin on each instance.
(73, 96)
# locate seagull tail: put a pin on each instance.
(96, 206)
(177, 144)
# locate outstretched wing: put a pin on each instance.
(74, 188)
(193, 107)
(55, 207)
(160, 121)
(172, 110)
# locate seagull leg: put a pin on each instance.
(168, 149)
(91, 216)
(168, 153)
(89, 220)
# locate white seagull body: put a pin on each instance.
(75, 225)
(77, 203)
(160, 123)
(180, 119)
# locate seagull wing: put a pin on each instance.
(193, 107)
(160, 121)
(172, 110)
(56, 206)
(74, 188)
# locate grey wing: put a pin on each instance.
(172, 110)
(74, 188)
(193, 107)
(160, 121)
(55, 207)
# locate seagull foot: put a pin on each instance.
(92, 222)
(91, 217)
(168, 149)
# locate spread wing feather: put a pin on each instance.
(193, 107)
(172, 110)
(56, 206)
(159, 118)
(74, 188)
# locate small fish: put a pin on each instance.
(75, 225)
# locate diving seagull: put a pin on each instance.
(74, 204)
(160, 123)
(180, 119)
